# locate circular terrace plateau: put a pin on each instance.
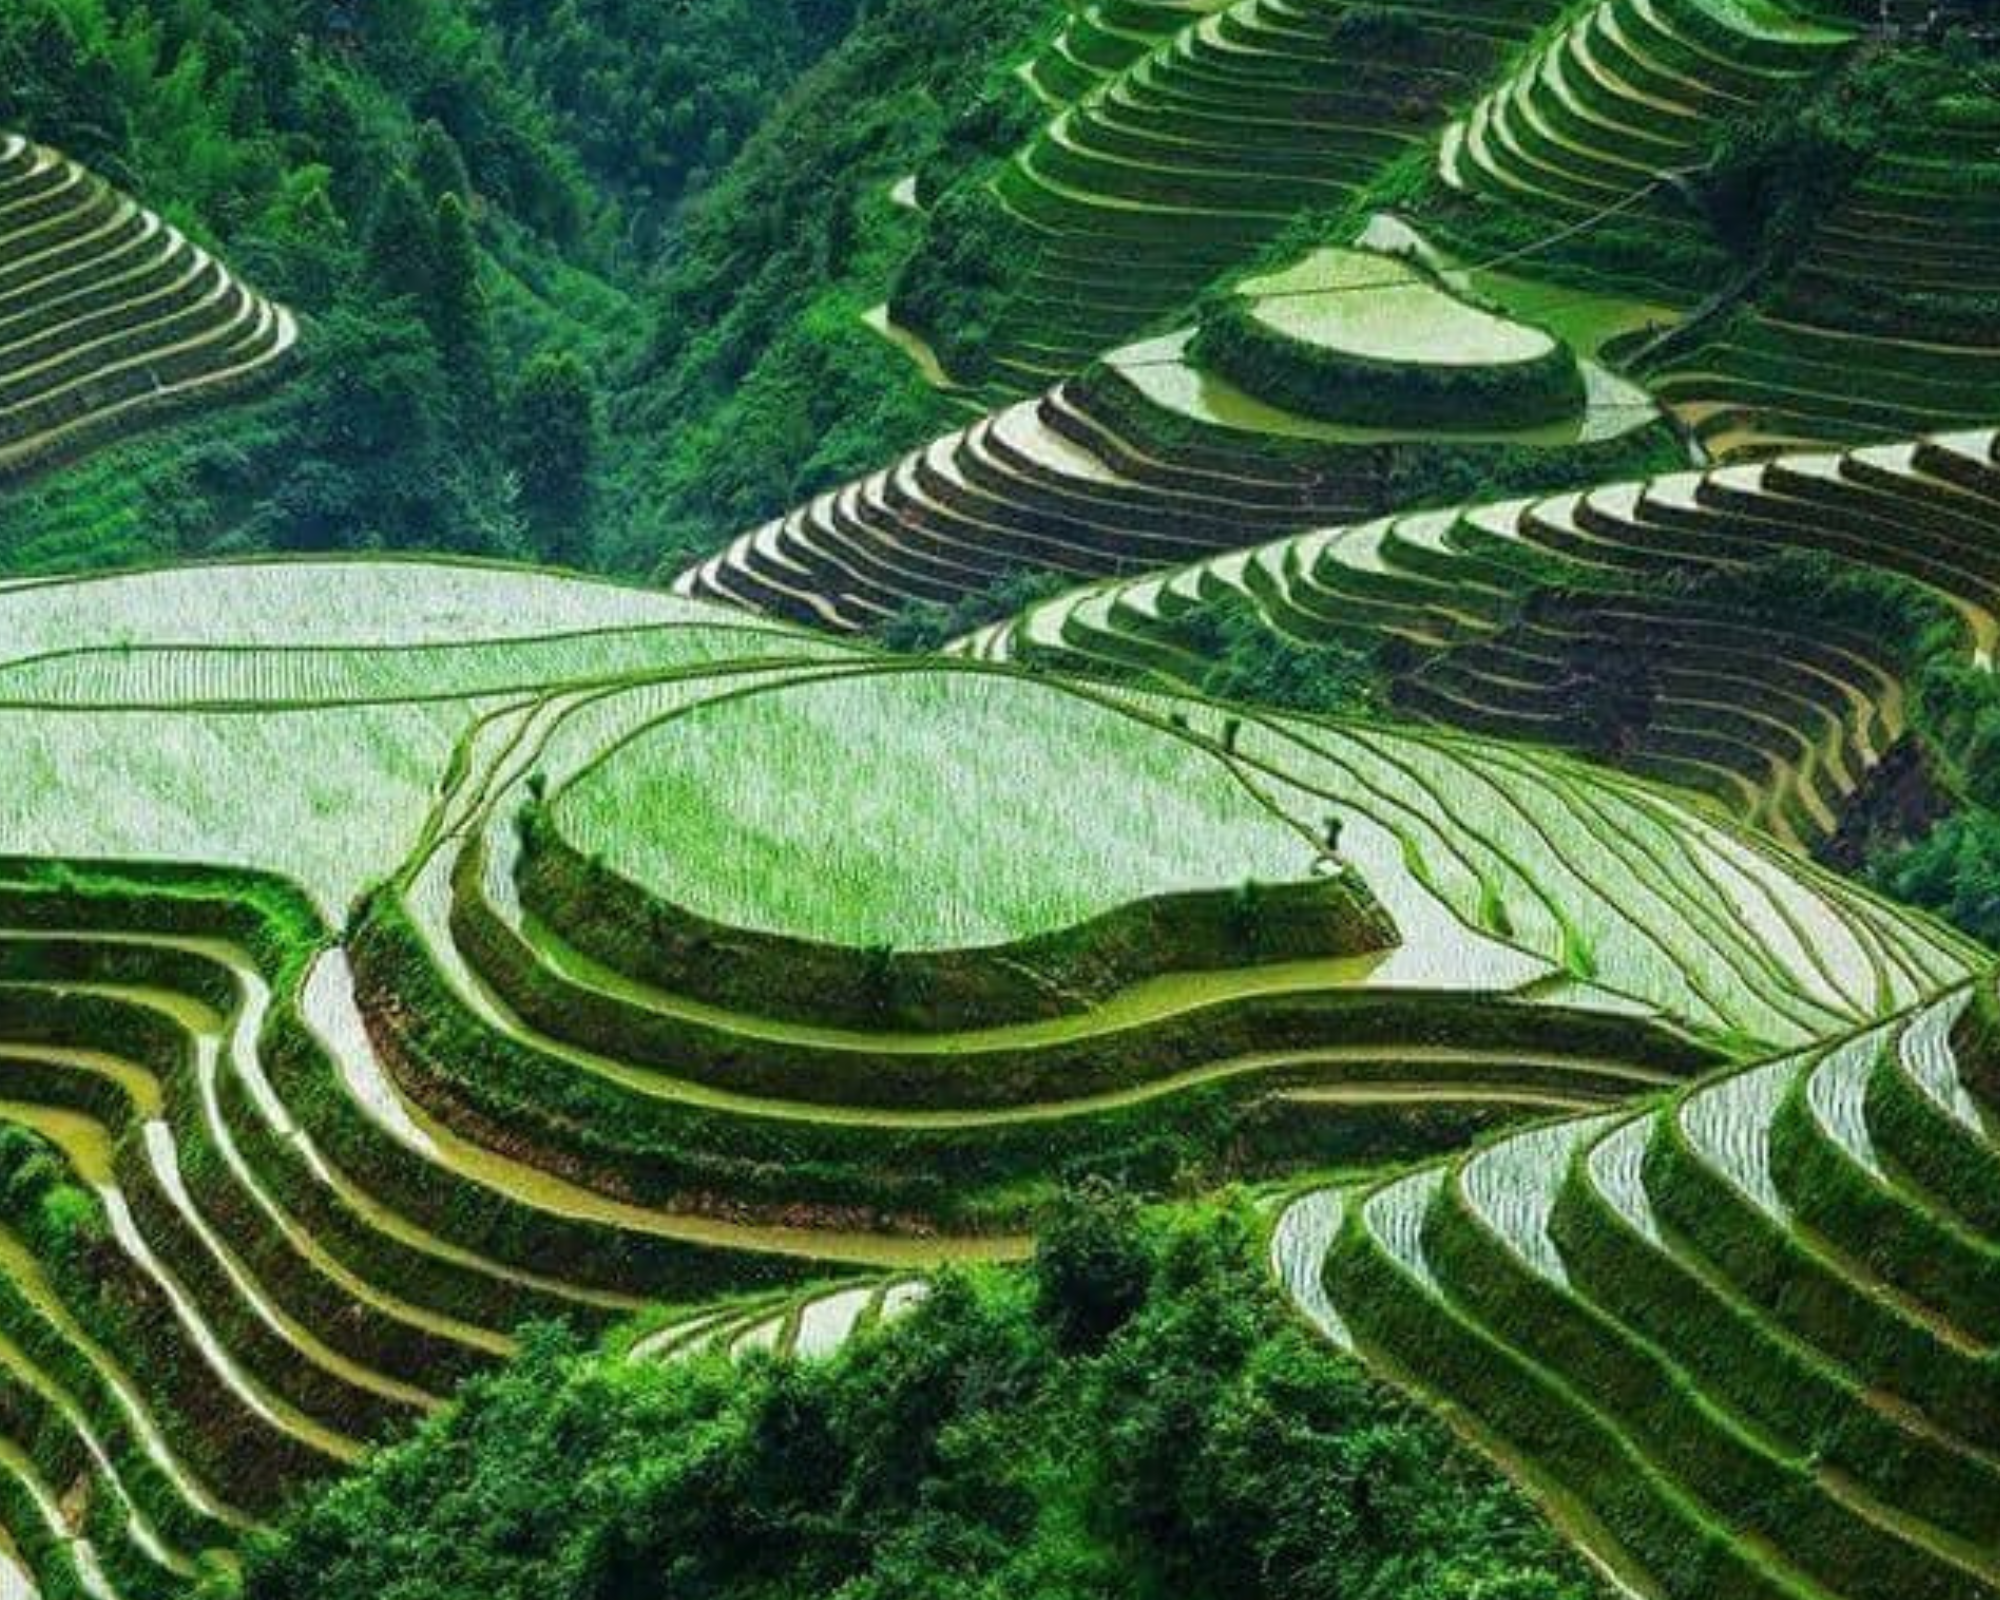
(1350, 336)
(976, 847)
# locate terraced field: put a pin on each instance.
(1099, 40)
(1521, 618)
(1626, 98)
(1063, 483)
(1897, 281)
(1171, 156)
(1190, 443)
(1740, 1339)
(296, 1130)
(1184, 137)
(1623, 116)
(396, 952)
(1576, 173)
(110, 317)
(1737, 1335)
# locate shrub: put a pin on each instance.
(1091, 1266)
(1210, 1449)
(922, 626)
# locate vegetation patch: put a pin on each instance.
(1138, 1417)
(1349, 336)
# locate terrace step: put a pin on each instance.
(1675, 1378)
(1192, 133)
(1779, 737)
(109, 316)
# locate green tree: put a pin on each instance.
(1248, 659)
(1091, 1266)
(552, 444)
(1211, 1449)
(918, 626)
(457, 308)
(1953, 870)
(439, 167)
(54, 81)
(403, 243)
(312, 256)
(923, 625)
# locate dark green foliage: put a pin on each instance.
(421, 250)
(1779, 166)
(439, 167)
(1627, 252)
(1436, 474)
(403, 241)
(63, 1222)
(53, 83)
(552, 443)
(926, 625)
(317, 255)
(1003, 115)
(332, 156)
(656, 99)
(1250, 660)
(1954, 870)
(1959, 704)
(958, 286)
(1908, 618)
(388, 471)
(1210, 1448)
(762, 387)
(1091, 1268)
(455, 300)
(504, 175)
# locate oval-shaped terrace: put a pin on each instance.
(1352, 336)
(951, 812)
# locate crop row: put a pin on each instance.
(1741, 1342)
(108, 315)
(1568, 620)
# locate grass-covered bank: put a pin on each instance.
(1139, 1416)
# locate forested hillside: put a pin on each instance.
(636, 237)
(1135, 1419)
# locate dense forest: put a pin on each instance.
(637, 236)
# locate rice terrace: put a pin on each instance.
(1000, 800)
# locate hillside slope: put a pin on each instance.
(1367, 589)
(321, 1110)
(639, 330)
(1765, 221)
